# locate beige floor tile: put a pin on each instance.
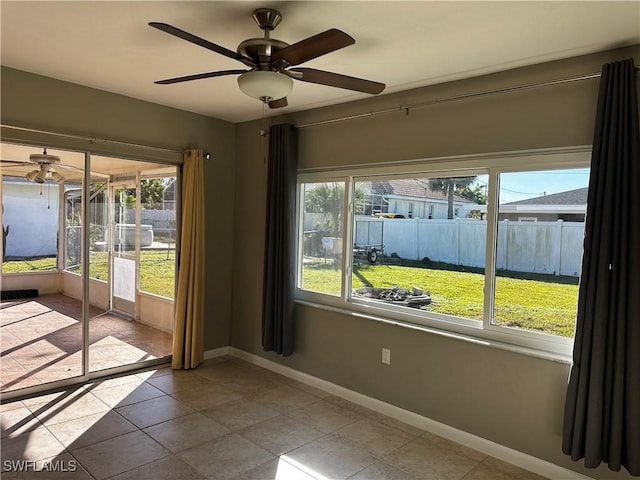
(276, 469)
(186, 432)
(223, 371)
(95, 428)
(330, 457)
(493, 469)
(6, 406)
(153, 411)
(309, 389)
(377, 438)
(18, 420)
(208, 396)
(436, 440)
(43, 336)
(365, 412)
(225, 458)
(155, 373)
(35, 445)
(79, 403)
(226, 419)
(324, 416)
(127, 394)
(119, 454)
(178, 380)
(241, 413)
(167, 468)
(383, 471)
(392, 422)
(280, 434)
(430, 460)
(283, 398)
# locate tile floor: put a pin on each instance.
(40, 341)
(226, 419)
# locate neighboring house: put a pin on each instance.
(413, 198)
(570, 206)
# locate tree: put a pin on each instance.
(476, 194)
(448, 186)
(151, 191)
(328, 198)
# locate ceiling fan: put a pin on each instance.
(269, 76)
(44, 163)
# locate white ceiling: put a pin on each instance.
(108, 45)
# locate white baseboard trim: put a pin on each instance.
(506, 454)
(216, 352)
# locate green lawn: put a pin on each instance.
(29, 265)
(545, 303)
(157, 269)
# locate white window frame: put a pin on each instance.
(490, 164)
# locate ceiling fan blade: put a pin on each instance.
(321, 77)
(282, 102)
(199, 76)
(15, 163)
(202, 42)
(313, 47)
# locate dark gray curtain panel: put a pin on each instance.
(280, 241)
(602, 410)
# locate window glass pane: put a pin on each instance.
(322, 218)
(98, 237)
(29, 224)
(426, 249)
(539, 249)
(73, 226)
(158, 236)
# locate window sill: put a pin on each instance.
(476, 340)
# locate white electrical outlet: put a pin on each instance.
(386, 356)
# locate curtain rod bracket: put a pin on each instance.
(263, 132)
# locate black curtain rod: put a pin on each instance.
(465, 96)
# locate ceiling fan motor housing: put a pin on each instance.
(43, 158)
(260, 50)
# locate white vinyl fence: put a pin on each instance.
(537, 247)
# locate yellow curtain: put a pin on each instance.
(188, 350)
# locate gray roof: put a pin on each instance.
(407, 187)
(570, 197)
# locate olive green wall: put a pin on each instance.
(509, 398)
(33, 101)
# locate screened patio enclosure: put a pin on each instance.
(88, 266)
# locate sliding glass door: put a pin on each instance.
(102, 300)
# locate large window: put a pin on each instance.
(491, 248)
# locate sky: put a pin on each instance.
(522, 185)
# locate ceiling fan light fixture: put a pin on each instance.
(55, 176)
(31, 176)
(41, 175)
(265, 85)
